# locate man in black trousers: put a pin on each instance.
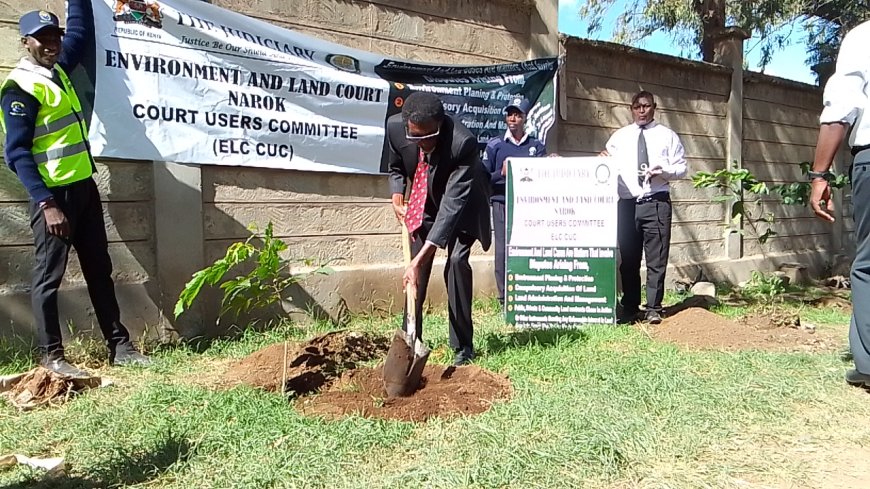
(650, 155)
(47, 147)
(845, 113)
(448, 205)
(515, 143)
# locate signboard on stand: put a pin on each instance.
(561, 242)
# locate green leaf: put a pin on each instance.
(737, 210)
(259, 288)
(759, 188)
(766, 236)
(189, 293)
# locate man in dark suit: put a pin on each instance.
(447, 207)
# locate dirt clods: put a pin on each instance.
(445, 391)
(306, 366)
(42, 387)
(324, 376)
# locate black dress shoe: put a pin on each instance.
(653, 317)
(124, 356)
(857, 379)
(60, 366)
(628, 317)
(464, 356)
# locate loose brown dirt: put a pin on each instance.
(324, 376)
(309, 365)
(772, 330)
(40, 387)
(445, 391)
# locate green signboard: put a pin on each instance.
(561, 242)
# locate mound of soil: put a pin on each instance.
(309, 365)
(324, 376)
(698, 328)
(40, 387)
(445, 391)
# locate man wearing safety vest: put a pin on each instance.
(47, 147)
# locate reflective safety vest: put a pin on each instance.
(60, 146)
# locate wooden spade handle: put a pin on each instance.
(406, 244)
(411, 289)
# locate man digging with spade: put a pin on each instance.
(448, 206)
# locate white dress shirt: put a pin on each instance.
(510, 137)
(664, 149)
(847, 94)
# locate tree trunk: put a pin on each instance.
(711, 13)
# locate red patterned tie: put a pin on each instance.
(414, 214)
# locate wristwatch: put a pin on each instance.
(826, 175)
(49, 202)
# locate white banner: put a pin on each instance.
(188, 82)
(562, 202)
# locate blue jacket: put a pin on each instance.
(21, 121)
(499, 149)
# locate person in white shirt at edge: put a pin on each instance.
(648, 155)
(846, 100)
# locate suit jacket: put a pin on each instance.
(458, 195)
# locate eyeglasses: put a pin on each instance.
(421, 138)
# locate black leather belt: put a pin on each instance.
(656, 197)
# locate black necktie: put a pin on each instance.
(642, 157)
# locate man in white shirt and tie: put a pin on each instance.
(846, 101)
(649, 155)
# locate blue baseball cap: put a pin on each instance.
(520, 103)
(33, 22)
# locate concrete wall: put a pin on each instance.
(780, 127)
(167, 220)
(463, 31)
(692, 97)
(779, 123)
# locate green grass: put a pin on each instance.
(14, 356)
(601, 407)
